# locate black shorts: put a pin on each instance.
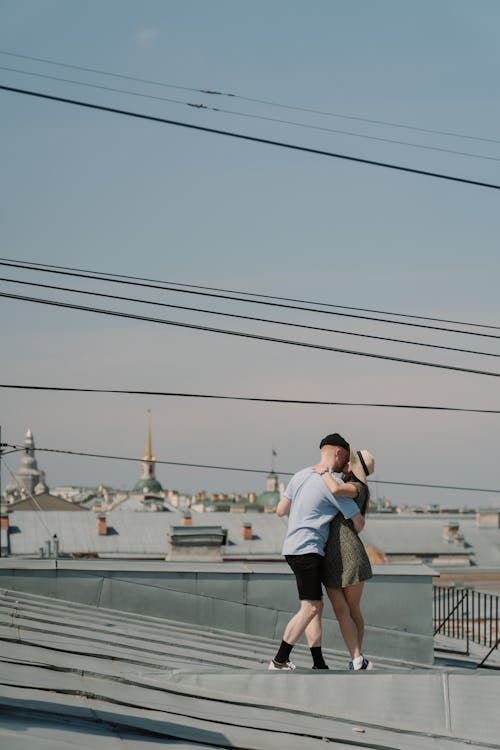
(308, 570)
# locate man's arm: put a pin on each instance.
(358, 521)
(283, 507)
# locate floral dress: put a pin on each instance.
(346, 561)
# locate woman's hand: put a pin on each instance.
(320, 469)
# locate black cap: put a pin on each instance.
(335, 439)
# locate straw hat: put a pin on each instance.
(362, 464)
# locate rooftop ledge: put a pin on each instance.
(253, 598)
(157, 566)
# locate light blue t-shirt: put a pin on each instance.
(312, 508)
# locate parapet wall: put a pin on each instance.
(257, 599)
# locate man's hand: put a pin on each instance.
(358, 522)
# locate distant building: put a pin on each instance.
(29, 490)
(29, 475)
(148, 483)
(270, 498)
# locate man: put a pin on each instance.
(310, 507)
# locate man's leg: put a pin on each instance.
(313, 630)
(313, 636)
(299, 622)
(307, 571)
(309, 609)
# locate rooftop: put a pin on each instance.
(103, 671)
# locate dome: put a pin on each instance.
(268, 499)
(146, 486)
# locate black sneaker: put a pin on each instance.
(325, 666)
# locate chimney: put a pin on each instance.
(4, 519)
(450, 531)
(246, 531)
(186, 519)
(489, 519)
(102, 528)
(196, 544)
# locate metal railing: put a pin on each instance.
(467, 615)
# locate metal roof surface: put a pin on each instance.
(76, 676)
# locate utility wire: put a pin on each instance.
(33, 265)
(215, 92)
(250, 115)
(253, 139)
(32, 498)
(253, 471)
(164, 286)
(254, 336)
(248, 317)
(267, 400)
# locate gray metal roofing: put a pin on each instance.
(407, 534)
(137, 533)
(145, 533)
(78, 676)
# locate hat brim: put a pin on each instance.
(357, 467)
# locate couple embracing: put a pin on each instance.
(326, 505)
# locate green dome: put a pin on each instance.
(145, 486)
(269, 499)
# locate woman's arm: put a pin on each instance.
(339, 490)
(346, 489)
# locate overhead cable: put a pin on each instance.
(266, 400)
(247, 317)
(244, 469)
(165, 286)
(253, 116)
(31, 497)
(215, 92)
(249, 138)
(253, 336)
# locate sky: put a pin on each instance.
(89, 189)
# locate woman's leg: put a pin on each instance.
(353, 595)
(347, 625)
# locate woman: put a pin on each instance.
(346, 565)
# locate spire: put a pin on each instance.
(148, 456)
(29, 443)
(148, 483)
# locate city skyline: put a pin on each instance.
(400, 84)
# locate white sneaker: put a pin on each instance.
(288, 665)
(365, 664)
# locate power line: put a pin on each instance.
(237, 468)
(253, 336)
(165, 286)
(253, 116)
(266, 400)
(253, 139)
(101, 275)
(267, 102)
(32, 498)
(248, 317)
